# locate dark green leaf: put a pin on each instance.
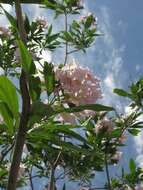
(49, 77)
(134, 132)
(93, 107)
(26, 58)
(7, 116)
(121, 92)
(8, 95)
(132, 166)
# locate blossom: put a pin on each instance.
(67, 118)
(21, 171)
(41, 21)
(104, 125)
(139, 187)
(117, 156)
(122, 139)
(80, 87)
(4, 31)
(79, 84)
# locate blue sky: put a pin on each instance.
(117, 56)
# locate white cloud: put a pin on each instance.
(7, 7)
(138, 67)
(3, 20)
(109, 81)
(111, 58)
(1, 71)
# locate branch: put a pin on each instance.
(30, 179)
(21, 134)
(107, 170)
(52, 179)
(4, 153)
(25, 1)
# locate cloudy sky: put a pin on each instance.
(116, 57)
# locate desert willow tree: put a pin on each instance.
(46, 128)
(30, 101)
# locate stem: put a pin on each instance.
(73, 51)
(4, 153)
(66, 47)
(107, 172)
(21, 134)
(52, 179)
(30, 179)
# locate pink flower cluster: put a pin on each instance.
(79, 84)
(105, 125)
(41, 21)
(80, 87)
(139, 187)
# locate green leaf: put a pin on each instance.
(26, 58)
(121, 92)
(51, 5)
(8, 95)
(7, 116)
(67, 36)
(39, 111)
(116, 133)
(134, 132)
(49, 77)
(132, 166)
(11, 19)
(56, 129)
(34, 87)
(93, 107)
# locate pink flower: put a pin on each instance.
(21, 171)
(79, 84)
(41, 21)
(117, 156)
(68, 118)
(122, 139)
(4, 31)
(104, 125)
(139, 187)
(80, 87)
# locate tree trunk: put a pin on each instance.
(21, 134)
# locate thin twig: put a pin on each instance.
(52, 179)
(107, 171)
(73, 51)
(3, 154)
(66, 45)
(30, 179)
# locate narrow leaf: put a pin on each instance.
(26, 58)
(8, 94)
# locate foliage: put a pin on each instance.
(64, 138)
